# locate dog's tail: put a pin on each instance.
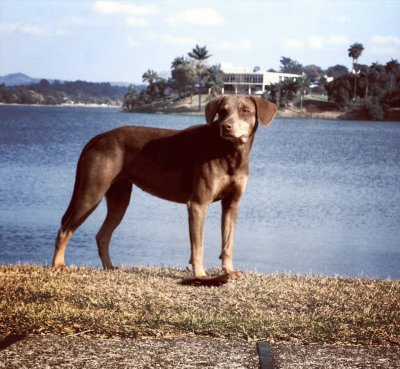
(79, 179)
(74, 196)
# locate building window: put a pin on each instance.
(244, 78)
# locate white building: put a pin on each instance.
(241, 80)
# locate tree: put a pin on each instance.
(272, 93)
(282, 93)
(150, 77)
(179, 61)
(157, 85)
(130, 99)
(376, 79)
(200, 54)
(339, 90)
(216, 79)
(392, 68)
(303, 83)
(354, 52)
(313, 73)
(288, 90)
(290, 66)
(336, 71)
(44, 83)
(183, 76)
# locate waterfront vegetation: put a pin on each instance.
(150, 302)
(365, 92)
(370, 91)
(57, 92)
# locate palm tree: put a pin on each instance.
(215, 81)
(179, 61)
(287, 91)
(129, 98)
(153, 80)
(303, 83)
(377, 78)
(355, 52)
(392, 67)
(183, 78)
(150, 76)
(200, 54)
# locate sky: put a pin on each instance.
(118, 41)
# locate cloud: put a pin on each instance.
(385, 45)
(242, 44)
(178, 40)
(292, 43)
(135, 21)
(327, 42)
(61, 32)
(124, 8)
(77, 21)
(197, 17)
(133, 42)
(330, 42)
(27, 29)
(343, 19)
(227, 65)
(134, 14)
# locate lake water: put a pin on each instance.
(323, 196)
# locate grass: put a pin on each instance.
(143, 302)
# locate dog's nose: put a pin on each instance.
(227, 127)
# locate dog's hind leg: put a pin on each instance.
(87, 195)
(118, 197)
(78, 213)
(63, 236)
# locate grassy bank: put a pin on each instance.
(313, 107)
(151, 302)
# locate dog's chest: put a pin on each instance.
(229, 186)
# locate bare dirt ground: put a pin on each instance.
(81, 352)
(50, 351)
(315, 356)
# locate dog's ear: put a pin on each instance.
(266, 110)
(211, 109)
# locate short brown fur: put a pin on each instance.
(195, 166)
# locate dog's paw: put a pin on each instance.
(60, 267)
(235, 276)
(111, 268)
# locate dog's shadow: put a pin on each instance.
(10, 340)
(211, 281)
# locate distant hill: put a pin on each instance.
(18, 88)
(21, 79)
(18, 79)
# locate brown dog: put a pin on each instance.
(195, 166)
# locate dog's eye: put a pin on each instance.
(246, 111)
(222, 112)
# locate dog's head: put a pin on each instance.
(238, 116)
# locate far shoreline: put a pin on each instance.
(78, 105)
(289, 113)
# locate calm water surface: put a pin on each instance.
(323, 196)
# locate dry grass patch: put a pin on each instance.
(142, 302)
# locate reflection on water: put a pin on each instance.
(323, 196)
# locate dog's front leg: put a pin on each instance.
(197, 216)
(229, 216)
